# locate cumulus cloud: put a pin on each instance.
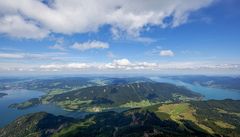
(122, 62)
(90, 45)
(121, 66)
(16, 26)
(124, 65)
(70, 66)
(38, 19)
(168, 53)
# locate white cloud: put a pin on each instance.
(16, 26)
(80, 16)
(124, 65)
(78, 65)
(57, 47)
(51, 66)
(121, 66)
(146, 40)
(70, 66)
(116, 64)
(11, 56)
(168, 53)
(90, 45)
(32, 56)
(122, 62)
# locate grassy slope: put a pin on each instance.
(214, 117)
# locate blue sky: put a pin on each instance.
(155, 37)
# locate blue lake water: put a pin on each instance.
(16, 96)
(207, 92)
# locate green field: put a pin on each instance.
(182, 111)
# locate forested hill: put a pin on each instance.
(123, 93)
(132, 123)
(39, 124)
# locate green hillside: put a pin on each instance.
(183, 119)
(214, 116)
(123, 95)
(99, 98)
(35, 125)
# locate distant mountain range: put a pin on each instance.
(64, 83)
(225, 82)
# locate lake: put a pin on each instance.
(16, 96)
(207, 92)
